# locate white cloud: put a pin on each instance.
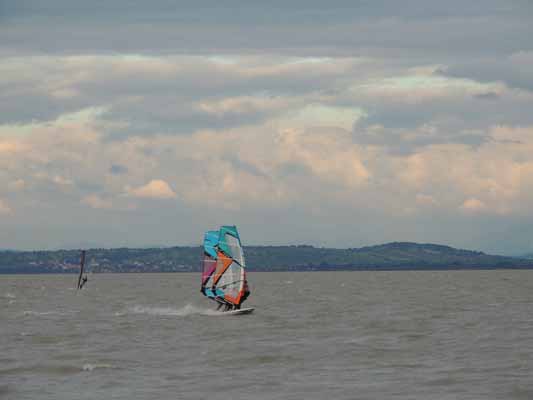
(249, 135)
(95, 201)
(62, 181)
(329, 154)
(10, 146)
(473, 205)
(155, 189)
(425, 200)
(243, 105)
(321, 115)
(422, 85)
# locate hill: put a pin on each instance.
(390, 256)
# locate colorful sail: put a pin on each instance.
(223, 272)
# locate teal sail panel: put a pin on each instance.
(210, 243)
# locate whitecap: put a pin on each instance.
(91, 367)
(185, 311)
(44, 313)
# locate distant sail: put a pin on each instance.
(223, 273)
(81, 281)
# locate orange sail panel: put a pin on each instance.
(223, 263)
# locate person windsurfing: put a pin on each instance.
(82, 280)
(223, 269)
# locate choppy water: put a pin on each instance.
(320, 335)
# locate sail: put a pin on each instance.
(223, 273)
(82, 267)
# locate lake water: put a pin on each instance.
(317, 335)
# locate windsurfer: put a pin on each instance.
(223, 271)
(83, 281)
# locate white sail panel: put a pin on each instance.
(235, 248)
(231, 282)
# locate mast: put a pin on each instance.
(82, 266)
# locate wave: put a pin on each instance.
(91, 367)
(184, 311)
(9, 296)
(43, 313)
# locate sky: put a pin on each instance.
(338, 124)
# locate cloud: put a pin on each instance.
(155, 189)
(473, 205)
(95, 201)
(515, 69)
(422, 85)
(321, 115)
(420, 28)
(243, 105)
(390, 115)
(425, 200)
(62, 181)
(329, 154)
(166, 93)
(11, 146)
(4, 208)
(17, 185)
(117, 169)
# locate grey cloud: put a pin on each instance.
(234, 11)
(245, 166)
(487, 96)
(406, 141)
(136, 89)
(516, 70)
(451, 119)
(463, 113)
(167, 115)
(299, 27)
(117, 169)
(293, 170)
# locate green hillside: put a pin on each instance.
(390, 256)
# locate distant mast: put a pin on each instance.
(81, 281)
